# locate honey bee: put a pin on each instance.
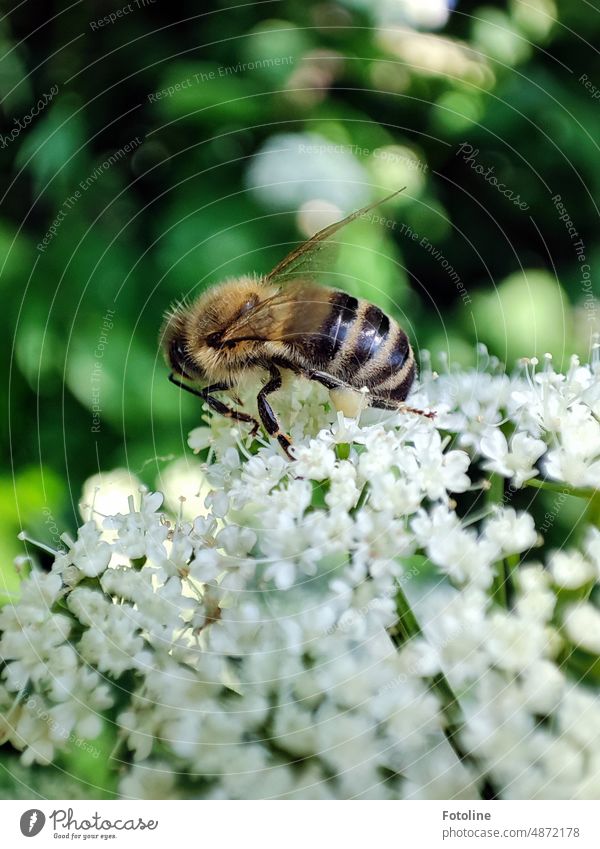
(287, 320)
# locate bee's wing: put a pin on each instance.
(303, 300)
(299, 260)
(297, 273)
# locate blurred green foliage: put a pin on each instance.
(147, 188)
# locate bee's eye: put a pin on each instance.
(181, 361)
(213, 340)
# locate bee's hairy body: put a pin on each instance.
(345, 337)
(256, 323)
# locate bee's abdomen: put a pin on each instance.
(338, 325)
(361, 345)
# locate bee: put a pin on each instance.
(288, 320)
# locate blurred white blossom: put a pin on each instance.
(426, 14)
(293, 168)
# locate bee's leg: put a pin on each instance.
(381, 403)
(319, 376)
(399, 407)
(215, 404)
(228, 412)
(266, 413)
(403, 408)
(327, 380)
(384, 404)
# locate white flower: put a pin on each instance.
(536, 601)
(533, 578)
(510, 531)
(329, 611)
(382, 453)
(458, 552)
(440, 472)
(543, 687)
(290, 546)
(293, 497)
(592, 548)
(391, 492)
(295, 731)
(315, 460)
(206, 566)
(89, 606)
(236, 541)
(173, 556)
(217, 503)
(440, 521)
(259, 475)
(39, 592)
(514, 643)
(89, 553)
(379, 541)
(570, 569)
(421, 658)
(200, 438)
(344, 431)
(112, 645)
(515, 462)
(578, 717)
(31, 646)
(582, 626)
(139, 531)
(151, 780)
(576, 460)
(34, 735)
(343, 492)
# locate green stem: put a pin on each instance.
(503, 587)
(361, 499)
(119, 745)
(499, 588)
(563, 488)
(496, 490)
(407, 621)
(592, 513)
(476, 516)
(511, 564)
(408, 627)
(592, 496)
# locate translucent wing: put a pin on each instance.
(305, 300)
(296, 274)
(302, 256)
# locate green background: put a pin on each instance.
(189, 203)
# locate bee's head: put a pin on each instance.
(176, 345)
(192, 335)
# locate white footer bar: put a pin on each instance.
(306, 825)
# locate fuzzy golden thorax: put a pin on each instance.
(191, 333)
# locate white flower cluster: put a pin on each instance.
(373, 620)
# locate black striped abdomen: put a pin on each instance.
(335, 330)
(361, 345)
(392, 373)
